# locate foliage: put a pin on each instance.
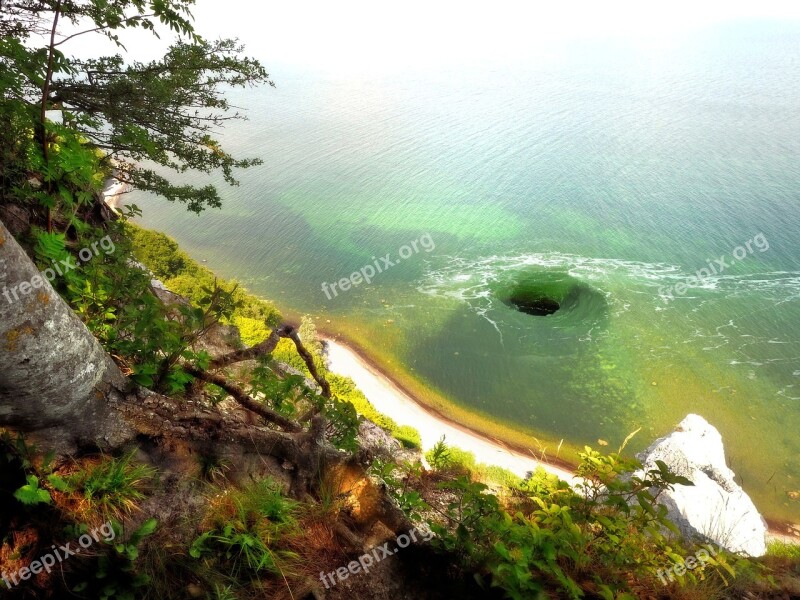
(116, 576)
(154, 338)
(781, 549)
(282, 394)
(443, 457)
(471, 520)
(164, 112)
(109, 569)
(243, 528)
(498, 475)
(345, 390)
(31, 494)
(18, 464)
(251, 331)
(114, 484)
(212, 466)
(159, 253)
(610, 532)
(398, 484)
(183, 276)
(67, 181)
(462, 460)
(343, 422)
(408, 436)
(438, 457)
(116, 302)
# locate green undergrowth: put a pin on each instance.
(608, 538)
(452, 458)
(182, 275)
(539, 539)
(85, 504)
(242, 527)
(780, 549)
(111, 485)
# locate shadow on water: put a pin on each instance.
(536, 373)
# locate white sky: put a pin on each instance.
(348, 37)
(355, 35)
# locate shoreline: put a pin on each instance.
(392, 399)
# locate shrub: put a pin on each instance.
(408, 436)
(498, 475)
(438, 457)
(158, 252)
(182, 275)
(252, 331)
(462, 460)
(602, 538)
(781, 549)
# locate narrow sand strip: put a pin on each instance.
(113, 193)
(390, 400)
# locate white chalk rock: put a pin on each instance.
(716, 507)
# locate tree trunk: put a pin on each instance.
(56, 380)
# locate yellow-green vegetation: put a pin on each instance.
(243, 527)
(779, 549)
(112, 485)
(408, 436)
(443, 457)
(182, 275)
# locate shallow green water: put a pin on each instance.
(596, 182)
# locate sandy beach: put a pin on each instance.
(391, 400)
(113, 192)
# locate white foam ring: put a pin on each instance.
(470, 280)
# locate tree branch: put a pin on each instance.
(265, 347)
(244, 399)
(45, 93)
(133, 18)
(309, 360)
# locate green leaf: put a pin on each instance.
(31, 494)
(147, 528)
(59, 483)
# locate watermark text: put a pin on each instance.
(714, 268)
(379, 264)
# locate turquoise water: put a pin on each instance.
(598, 180)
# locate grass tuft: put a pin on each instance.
(114, 485)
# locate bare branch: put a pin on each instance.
(265, 347)
(244, 399)
(309, 360)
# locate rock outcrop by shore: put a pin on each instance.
(715, 508)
